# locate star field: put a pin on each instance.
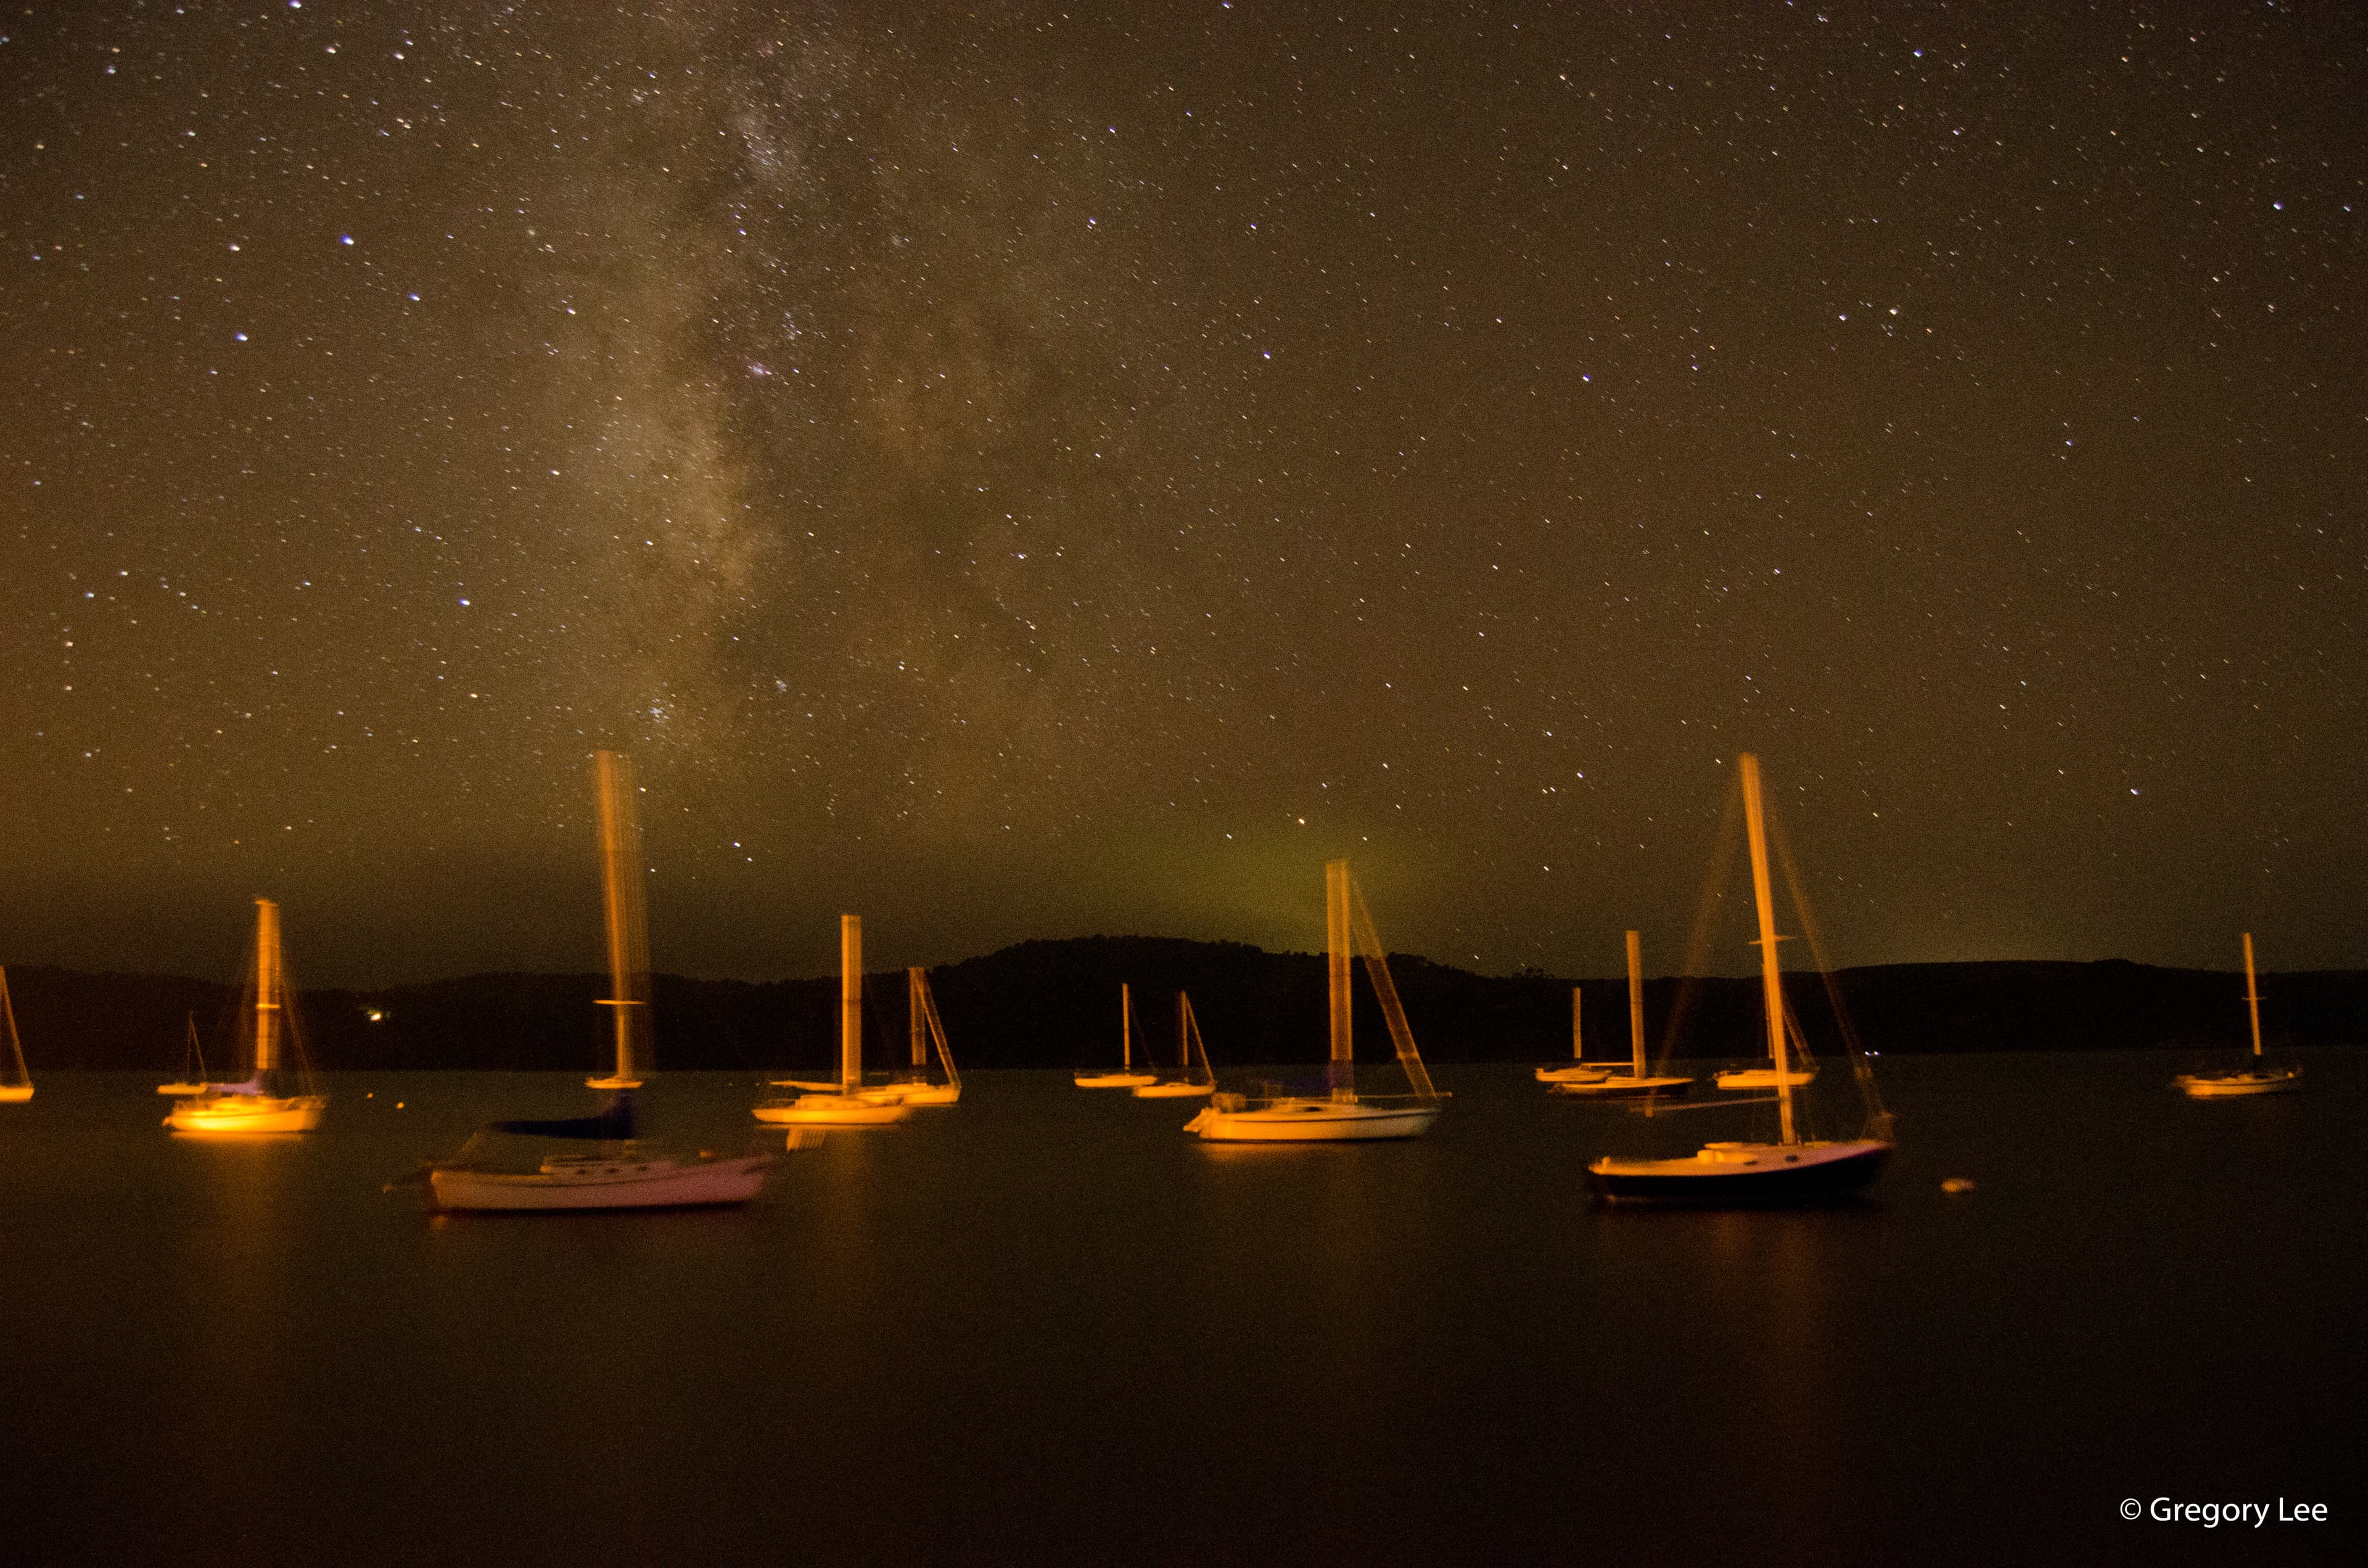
(1023, 473)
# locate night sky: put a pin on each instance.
(1020, 474)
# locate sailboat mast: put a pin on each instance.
(2252, 995)
(621, 906)
(1575, 1051)
(1771, 983)
(920, 1017)
(1336, 962)
(1637, 1000)
(266, 986)
(850, 1001)
(1126, 1028)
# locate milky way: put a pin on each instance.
(1016, 474)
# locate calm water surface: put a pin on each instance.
(1044, 1326)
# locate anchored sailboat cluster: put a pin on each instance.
(599, 1160)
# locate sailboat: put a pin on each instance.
(2260, 1079)
(617, 1171)
(1766, 1077)
(915, 1086)
(1637, 1082)
(1342, 1114)
(1192, 1056)
(1128, 1076)
(1577, 1071)
(17, 1086)
(1791, 1168)
(844, 1103)
(255, 1104)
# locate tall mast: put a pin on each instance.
(620, 903)
(1336, 962)
(1637, 1000)
(2252, 995)
(266, 986)
(1575, 1051)
(920, 1018)
(851, 1002)
(1772, 984)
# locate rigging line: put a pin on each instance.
(1377, 970)
(1861, 1069)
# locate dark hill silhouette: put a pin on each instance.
(1055, 1003)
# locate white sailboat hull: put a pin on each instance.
(1175, 1090)
(2223, 1085)
(594, 1183)
(1313, 1121)
(14, 1094)
(1626, 1085)
(247, 1113)
(1115, 1080)
(1574, 1074)
(1763, 1079)
(832, 1110)
(929, 1094)
(1743, 1173)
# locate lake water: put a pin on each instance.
(1046, 1327)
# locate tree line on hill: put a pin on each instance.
(1055, 1004)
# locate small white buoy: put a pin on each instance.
(1957, 1183)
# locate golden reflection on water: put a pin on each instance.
(1768, 1267)
(234, 1269)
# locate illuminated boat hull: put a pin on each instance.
(1115, 1080)
(927, 1093)
(832, 1110)
(1743, 1173)
(1177, 1089)
(2225, 1085)
(1313, 1121)
(1573, 1075)
(1626, 1087)
(595, 1183)
(14, 1094)
(247, 1113)
(1762, 1079)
